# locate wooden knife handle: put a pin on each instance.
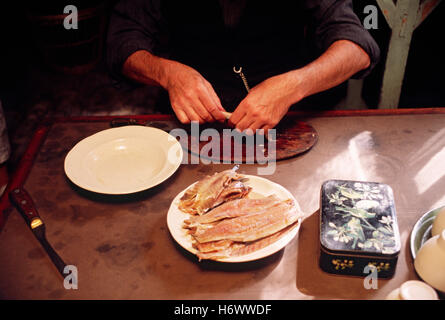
(24, 204)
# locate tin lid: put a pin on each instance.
(358, 218)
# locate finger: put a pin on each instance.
(202, 111)
(213, 105)
(245, 123)
(237, 115)
(192, 115)
(210, 102)
(182, 116)
(214, 97)
(256, 125)
(195, 102)
(211, 108)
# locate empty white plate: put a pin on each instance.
(123, 160)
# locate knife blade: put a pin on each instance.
(24, 204)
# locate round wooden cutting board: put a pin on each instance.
(293, 138)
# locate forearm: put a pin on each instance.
(191, 96)
(342, 60)
(146, 68)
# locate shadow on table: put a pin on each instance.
(180, 275)
(313, 281)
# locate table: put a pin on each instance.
(123, 250)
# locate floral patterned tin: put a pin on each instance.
(358, 228)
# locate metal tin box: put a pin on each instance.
(358, 228)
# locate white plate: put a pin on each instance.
(261, 187)
(123, 160)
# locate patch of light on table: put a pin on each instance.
(353, 160)
(431, 172)
(342, 162)
(432, 143)
(363, 157)
(354, 152)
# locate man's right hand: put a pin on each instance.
(191, 96)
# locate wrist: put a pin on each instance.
(161, 72)
(295, 89)
(144, 67)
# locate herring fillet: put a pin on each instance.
(225, 250)
(212, 191)
(192, 229)
(223, 222)
(251, 227)
(232, 209)
(213, 246)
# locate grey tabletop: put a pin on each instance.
(122, 247)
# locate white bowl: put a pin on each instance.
(439, 223)
(413, 290)
(430, 262)
(417, 290)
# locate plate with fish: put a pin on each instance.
(231, 217)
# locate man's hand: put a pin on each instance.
(191, 96)
(266, 104)
(269, 101)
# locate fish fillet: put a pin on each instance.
(233, 209)
(193, 229)
(213, 246)
(251, 227)
(213, 191)
(236, 249)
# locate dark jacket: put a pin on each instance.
(272, 37)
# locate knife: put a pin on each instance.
(24, 204)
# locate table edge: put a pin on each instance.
(21, 173)
(326, 113)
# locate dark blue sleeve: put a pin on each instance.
(334, 20)
(134, 25)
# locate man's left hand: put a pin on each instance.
(265, 105)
